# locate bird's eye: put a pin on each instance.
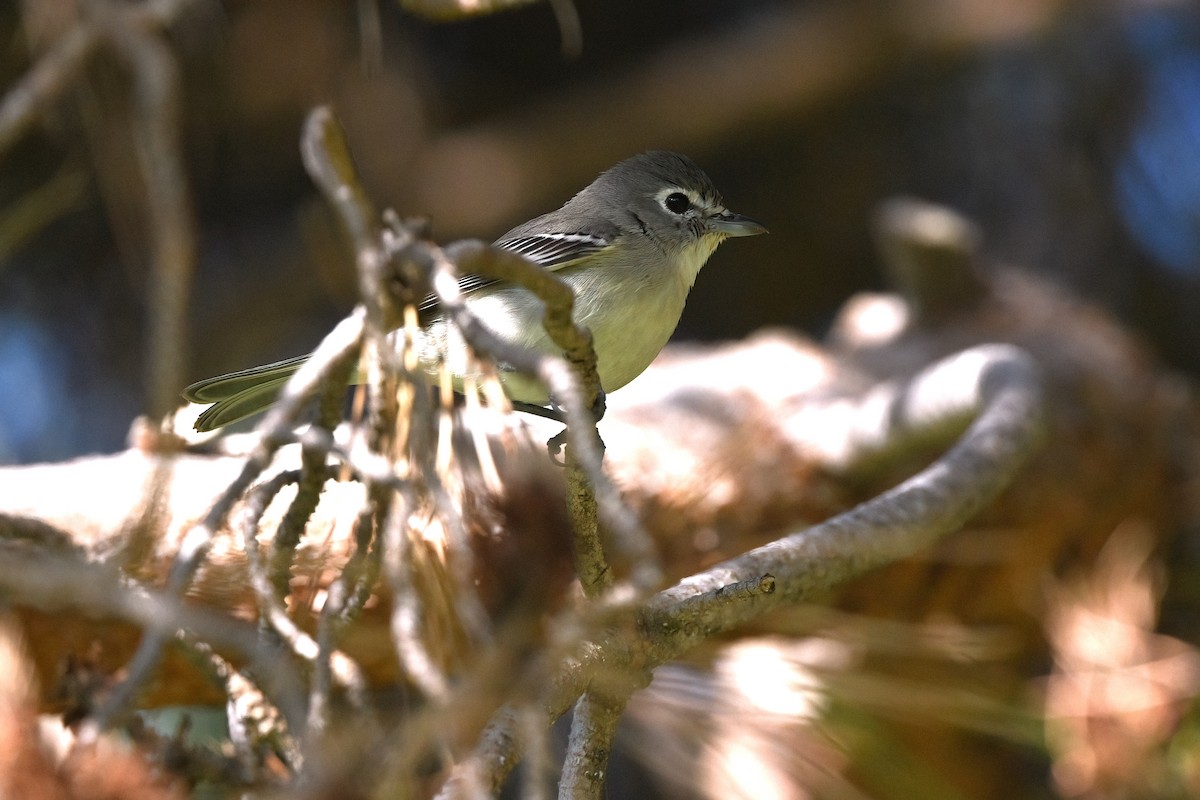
(677, 202)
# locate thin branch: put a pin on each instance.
(157, 135)
(328, 160)
(567, 385)
(314, 451)
(271, 610)
(25, 102)
(60, 581)
(538, 764)
(498, 750)
(254, 723)
(134, 33)
(341, 344)
(401, 566)
(593, 728)
(330, 664)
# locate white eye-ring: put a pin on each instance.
(679, 201)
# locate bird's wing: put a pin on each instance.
(554, 250)
(551, 251)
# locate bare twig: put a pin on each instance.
(328, 365)
(401, 565)
(328, 160)
(173, 252)
(133, 31)
(496, 753)
(58, 582)
(330, 664)
(314, 451)
(255, 724)
(593, 728)
(24, 103)
(341, 344)
(270, 606)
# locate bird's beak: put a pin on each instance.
(732, 224)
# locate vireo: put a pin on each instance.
(629, 245)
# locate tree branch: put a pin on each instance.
(998, 383)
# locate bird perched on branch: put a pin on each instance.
(629, 245)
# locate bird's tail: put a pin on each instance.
(240, 394)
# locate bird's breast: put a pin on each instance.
(631, 318)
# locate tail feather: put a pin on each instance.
(241, 394)
(224, 387)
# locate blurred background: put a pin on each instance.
(1069, 130)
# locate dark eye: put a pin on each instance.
(677, 202)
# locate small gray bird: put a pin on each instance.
(629, 245)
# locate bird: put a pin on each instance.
(630, 245)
